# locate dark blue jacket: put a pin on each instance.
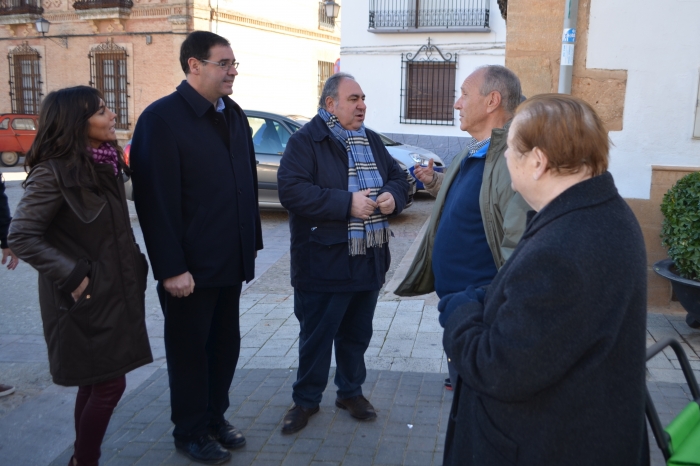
(196, 189)
(5, 217)
(313, 186)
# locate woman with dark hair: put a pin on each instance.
(551, 360)
(72, 225)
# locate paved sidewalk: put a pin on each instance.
(405, 359)
(405, 385)
(413, 409)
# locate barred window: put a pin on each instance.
(108, 74)
(325, 71)
(25, 79)
(428, 87)
(412, 15)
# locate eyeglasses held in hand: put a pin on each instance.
(224, 65)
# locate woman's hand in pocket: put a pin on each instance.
(79, 291)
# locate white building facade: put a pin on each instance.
(411, 57)
(287, 48)
(661, 124)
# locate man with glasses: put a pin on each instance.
(195, 190)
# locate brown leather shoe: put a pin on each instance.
(358, 406)
(297, 418)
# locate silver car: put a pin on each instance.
(270, 135)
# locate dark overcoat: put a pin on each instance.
(196, 189)
(313, 186)
(552, 365)
(67, 233)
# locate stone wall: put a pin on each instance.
(533, 48)
(648, 212)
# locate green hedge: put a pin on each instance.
(680, 230)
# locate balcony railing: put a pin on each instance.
(20, 7)
(93, 4)
(325, 21)
(415, 15)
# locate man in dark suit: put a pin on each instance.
(195, 190)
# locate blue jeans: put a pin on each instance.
(324, 319)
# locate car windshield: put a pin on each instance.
(387, 141)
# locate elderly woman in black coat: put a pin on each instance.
(72, 225)
(551, 361)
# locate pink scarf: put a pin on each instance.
(106, 153)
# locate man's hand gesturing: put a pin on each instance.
(424, 174)
(362, 206)
(179, 286)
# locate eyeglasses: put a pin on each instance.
(224, 65)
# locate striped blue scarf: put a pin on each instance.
(362, 174)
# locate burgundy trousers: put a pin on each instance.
(93, 409)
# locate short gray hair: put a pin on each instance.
(505, 82)
(330, 89)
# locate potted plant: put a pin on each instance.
(680, 233)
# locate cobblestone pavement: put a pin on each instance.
(404, 382)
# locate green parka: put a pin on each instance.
(503, 212)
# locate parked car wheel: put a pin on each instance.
(9, 159)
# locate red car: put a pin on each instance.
(17, 133)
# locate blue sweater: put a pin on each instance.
(461, 255)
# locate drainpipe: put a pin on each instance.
(568, 42)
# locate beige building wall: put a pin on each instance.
(278, 43)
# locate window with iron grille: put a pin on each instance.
(108, 74)
(428, 87)
(25, 79)
(416, 15)
(21, 7)
(325, 71)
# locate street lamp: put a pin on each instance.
(42, 26)
(332, 9)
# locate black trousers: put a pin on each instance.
(202, 344)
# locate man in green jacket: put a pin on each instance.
(477, 219)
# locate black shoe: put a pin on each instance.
(297, 418)
(203, 450)
(358, 406)
(227, 435)
(448, 384)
